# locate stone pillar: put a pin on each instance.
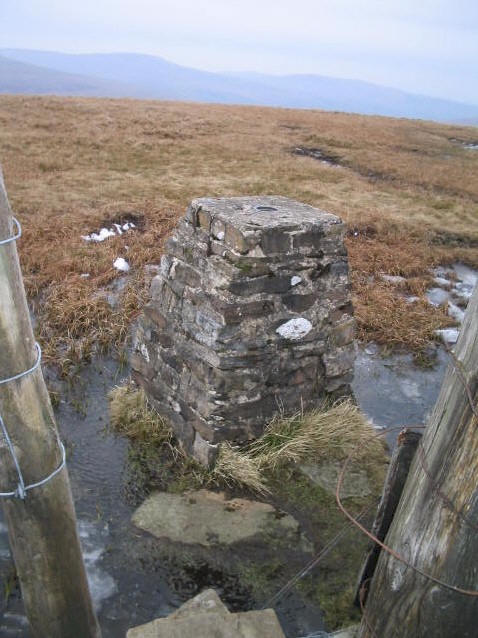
(249, 315)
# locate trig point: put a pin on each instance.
(249, 316)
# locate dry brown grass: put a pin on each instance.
(72, 164)
(331, 431)
(131, 416)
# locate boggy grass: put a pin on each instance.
(330, 432)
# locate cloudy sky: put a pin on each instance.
(424, 46)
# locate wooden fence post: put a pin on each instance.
(41, 527)
(435, 527)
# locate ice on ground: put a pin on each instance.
(455, 312)
(448, 335)
(410, 388)
(121, 264)
(295, 280)
(460, 281)
(104, 233)
(294, 329)
(102, 585)
(437, 296)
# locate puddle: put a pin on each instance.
(392, 391)
(318, 154)
(125, 593)
(472, 146)
(133, 577)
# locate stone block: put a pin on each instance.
(339, 361)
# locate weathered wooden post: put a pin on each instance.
(41, 522)
(435, 527)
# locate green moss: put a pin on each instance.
(243, 266)
(261, 578)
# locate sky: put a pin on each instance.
(422, 46)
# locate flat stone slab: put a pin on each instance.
(250, 624)
(326, 474)
(206, 602)
(348, 632)
(208, 518)
(205, 616)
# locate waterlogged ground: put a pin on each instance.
(131, 582)
(133, 578)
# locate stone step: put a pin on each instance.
(205, 616)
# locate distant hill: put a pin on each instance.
(146, 76)
(18, 77)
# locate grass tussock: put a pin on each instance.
(72, 165)
(334, 431)
(131, 416)
(236, 468)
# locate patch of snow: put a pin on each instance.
(295, 280)
(437, 296)
(294, 329)
(448, 335)
(394, 279)
(101, 236)
(85, 275)
(455, 312)
(220, 235)
(412, 299)
(121, 264)
(441, 281)
(105, 233)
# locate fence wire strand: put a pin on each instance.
(22, 489)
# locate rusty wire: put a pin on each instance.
(389, 550)
(460, 369)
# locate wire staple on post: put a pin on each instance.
(13, 237)
(22, 489)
